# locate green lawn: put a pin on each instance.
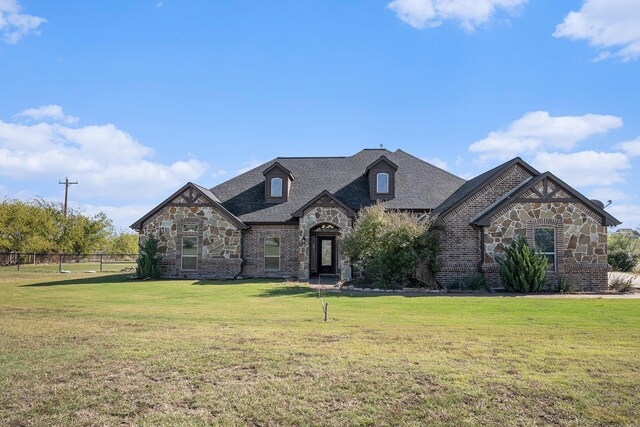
(95, 350)
(74, 267)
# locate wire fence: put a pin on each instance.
(51, 262)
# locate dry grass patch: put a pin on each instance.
(96, 350)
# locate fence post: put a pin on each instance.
(18, 261)
(60, 263)
(100, 263)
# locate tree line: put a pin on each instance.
(40, 226)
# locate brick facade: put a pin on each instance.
(479, 220)
(461, 242)
(579, 234)
(253, 253)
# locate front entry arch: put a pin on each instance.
(323, 257)
(324, 220)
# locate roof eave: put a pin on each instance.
(485, 219)
(278, 165)
(138, 225)
(300, 212)
(379, 160)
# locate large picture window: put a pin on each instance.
(272, 253)
(382, 184)
(189, 253)
(545, 239)
(276, 187)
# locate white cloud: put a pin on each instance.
(107, 161)
(14, 25)
(632, 148)
(536, 131)
(437, 162)
(629, 214)
(469, 13)
(584, 168)
(607, 193)
(122, 216)
(612, 26)
(47, 112)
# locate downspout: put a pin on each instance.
(242, 260)
(481, 249)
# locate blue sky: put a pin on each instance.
(134, 98)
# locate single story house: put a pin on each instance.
(285, 218)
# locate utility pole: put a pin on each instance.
(66, 183)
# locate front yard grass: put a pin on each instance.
(97, 350)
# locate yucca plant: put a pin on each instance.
(521, 268)
(149, 260)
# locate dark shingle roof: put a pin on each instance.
(419, 185)
(475, 184)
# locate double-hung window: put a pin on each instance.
(189, 253)
(272, 253)
(545, 239)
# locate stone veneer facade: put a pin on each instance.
(580, 241)
(580, 234)
(313, 217)
(219, 241)
(461, 241)
(227, 248)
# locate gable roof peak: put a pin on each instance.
(208, 194)
(278, 165)
(473, 185)
(324, 193)
(379, 160)
(483, 218)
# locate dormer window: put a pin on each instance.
(382, 183)
(277, 183)
(276, 187)
(381, 175)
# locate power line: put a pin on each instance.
(66, 183)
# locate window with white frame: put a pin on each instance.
(189, 253)
(272, 253)
(276, 187)
(545, 240)
(382, 183)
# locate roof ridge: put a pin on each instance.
(607, 218)
(308, 157)
(430, 164)
(480, 181)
